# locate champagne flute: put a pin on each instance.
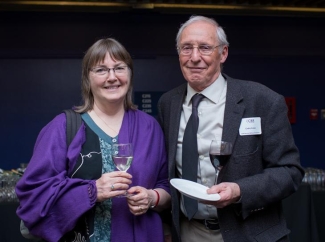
(219, 154)
(122, 155)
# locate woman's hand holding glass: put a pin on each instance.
(112, 184)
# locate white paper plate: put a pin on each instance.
(193, 190)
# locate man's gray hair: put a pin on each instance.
(220, 33)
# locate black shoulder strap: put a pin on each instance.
(73, 124)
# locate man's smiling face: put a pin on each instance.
(201, 70)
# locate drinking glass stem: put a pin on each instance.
(217, 173)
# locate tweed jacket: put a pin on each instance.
(266, 167)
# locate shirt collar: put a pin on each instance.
(212, 92)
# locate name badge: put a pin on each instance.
(250, 126)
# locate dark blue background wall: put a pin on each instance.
(40, 63)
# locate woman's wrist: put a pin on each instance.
(155, 202)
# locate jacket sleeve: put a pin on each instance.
(280, 174)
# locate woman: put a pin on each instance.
(71, 193)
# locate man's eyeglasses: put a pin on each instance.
(203, 49)
(104, 71)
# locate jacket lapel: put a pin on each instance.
(234, 111)
(174, 122)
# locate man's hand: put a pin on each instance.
(229, 193)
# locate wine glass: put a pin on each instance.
(122, 155)
(219, 154)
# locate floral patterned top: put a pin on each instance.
(102, 221)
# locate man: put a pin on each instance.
(264, 166)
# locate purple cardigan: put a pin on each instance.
(51, 202)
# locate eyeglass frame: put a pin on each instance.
(179, 49)
(108, 70)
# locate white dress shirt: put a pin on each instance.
(211, 113)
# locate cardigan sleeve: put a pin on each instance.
(50, 201)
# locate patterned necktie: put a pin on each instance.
(190, 154)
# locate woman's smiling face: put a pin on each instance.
(111, 87)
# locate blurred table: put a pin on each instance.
(305, 215)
